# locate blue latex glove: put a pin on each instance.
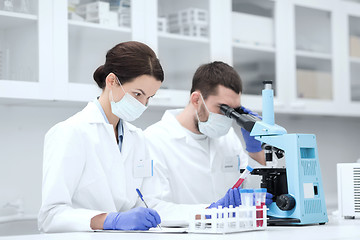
(135, 219)
(268, 199)
(232, 197)
(252, 145)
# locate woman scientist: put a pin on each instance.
(95, 160)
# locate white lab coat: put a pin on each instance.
(184, 173)
(85, 174)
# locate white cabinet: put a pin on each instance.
(311, 58)
(310, 48)
(25, 49)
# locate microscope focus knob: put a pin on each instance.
(285, 202)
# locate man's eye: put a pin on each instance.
(137, 94)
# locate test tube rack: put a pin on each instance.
(228, 220)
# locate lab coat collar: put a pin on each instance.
(92, 114)
(176, 130)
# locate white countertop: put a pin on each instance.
(336, 228)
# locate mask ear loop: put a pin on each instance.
(204, 103)
(111, 96)
(197, 115)
(119, 83)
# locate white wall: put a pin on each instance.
(22, 130)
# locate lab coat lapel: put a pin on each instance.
(128, 142)
(110, 131)
(92, 114)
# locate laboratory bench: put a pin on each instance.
(336, 228)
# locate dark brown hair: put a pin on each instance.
(209, 76)
(128, 60)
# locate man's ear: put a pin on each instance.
(195, 99)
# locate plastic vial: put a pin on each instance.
(247, 200)
(260, 197)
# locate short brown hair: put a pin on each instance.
(128, 60)
(208, 76)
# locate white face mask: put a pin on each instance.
(128, 108)
(216, 126)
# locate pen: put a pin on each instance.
(142, 199)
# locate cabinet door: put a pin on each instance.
(354, 53)
(253, 51)
(183, 40)
(314, 78)
(183, 45)
(19, 48)
(254, 47)
(351, 12)
(25, 43)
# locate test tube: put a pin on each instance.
(244, 175)
(247, 200)
(260, 197)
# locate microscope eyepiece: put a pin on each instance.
(226, 110)
(245, 120)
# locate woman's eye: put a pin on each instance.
(137, 94)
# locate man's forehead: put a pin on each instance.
(229, 98)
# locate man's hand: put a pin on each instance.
(232, 197)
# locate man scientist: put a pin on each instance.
(197, 154)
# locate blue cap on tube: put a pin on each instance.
(242, 190)
(246, 190)
(249, 168)
(260, 190)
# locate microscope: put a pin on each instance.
(298, 190)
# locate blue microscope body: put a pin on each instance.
(304, 202)
(298, 190)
